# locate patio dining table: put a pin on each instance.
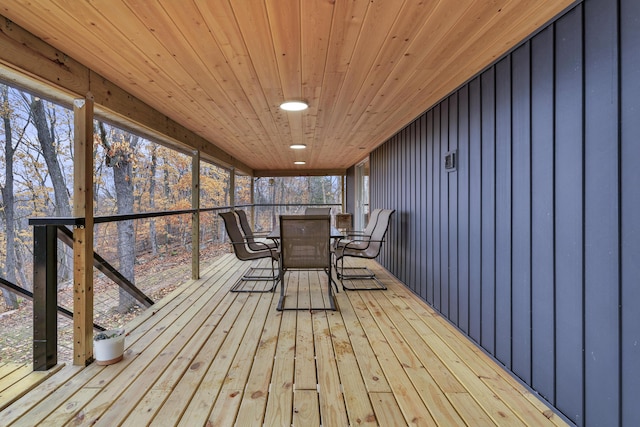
(275, 233)
(302, 245)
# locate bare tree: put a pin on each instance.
(46, 136)
(8, 208)
(45, 127)
(120, 147)
(152, 198)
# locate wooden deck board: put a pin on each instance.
(254, 398)
(358, 405)
(206, 356)
(332, 409)
(225, 409)
(407, 350)
(24, 385)
(280, 391)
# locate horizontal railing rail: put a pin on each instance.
(19, 290)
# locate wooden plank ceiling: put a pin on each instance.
(221, 68)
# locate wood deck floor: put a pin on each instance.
(205, 356)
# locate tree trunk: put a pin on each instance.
(123, 182)
(122, 177)
(61, 194)
(47, 143)
(8, 202)
(167, 193)
(152, 201)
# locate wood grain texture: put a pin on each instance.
(221, 69)
(206, 355)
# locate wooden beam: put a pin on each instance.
(297, 172)
(83, 236)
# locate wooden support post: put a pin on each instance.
(195, 221)
(83, 235)
(232, 188)
(252, 201)
(344, 194)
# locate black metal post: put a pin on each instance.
(45, 277)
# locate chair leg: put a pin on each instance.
(249, 276)
(366, 275)
(330, 281)
(332, 304)
(280, 305)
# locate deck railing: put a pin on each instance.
(48, 231)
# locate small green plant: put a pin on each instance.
(108, 335)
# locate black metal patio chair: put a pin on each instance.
(252, 235)
(305, 244)
(363, 246)
(244, 252)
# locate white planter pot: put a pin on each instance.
(110, 350)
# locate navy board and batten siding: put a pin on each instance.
(532, 246)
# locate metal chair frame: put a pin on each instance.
(244, 252)
(363, 246)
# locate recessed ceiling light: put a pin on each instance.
(299, 162)
(298, 146)
(294, 106)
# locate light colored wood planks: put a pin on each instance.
(17, 380)
(280, 401)
(356, 398)
(171, 354)
(11, 373)
(199, 386)
(305, 359)
(226, 406)
(306, 411)
(386, 408)
(332, 408)
(406, 394)
(405, 345)
(210, 356)
(254, 399)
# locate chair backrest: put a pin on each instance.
(373, 220)
(378, 233)
(248, 232)
(244, 224)
(317, 211)
(305, 241)
(240, 248)
(361, 243)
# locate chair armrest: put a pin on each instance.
(351, 244)
(259, 234)
(255, 242)
(349, 238)
(355, 233)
